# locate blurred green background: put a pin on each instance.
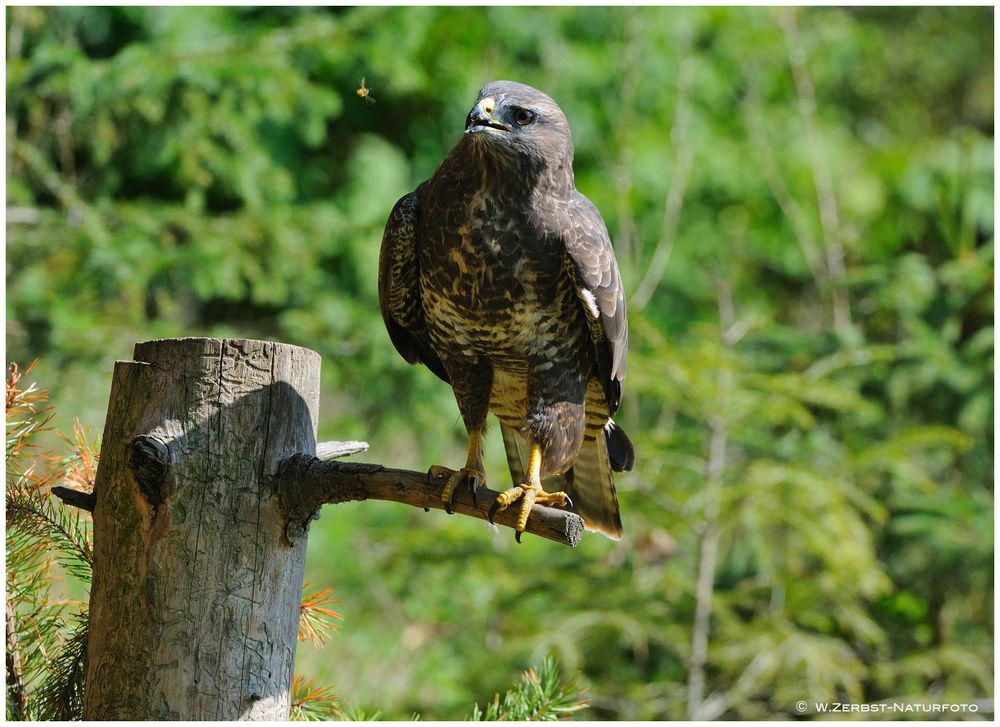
(802, 207)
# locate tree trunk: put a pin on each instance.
(195, 602)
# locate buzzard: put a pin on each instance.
(499, 276)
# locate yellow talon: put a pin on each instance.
(529, 493)
(471, 473)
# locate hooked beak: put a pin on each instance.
(481, 118)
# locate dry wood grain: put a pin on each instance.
(195, 600)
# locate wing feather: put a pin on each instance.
(399, 286)
(599, 285)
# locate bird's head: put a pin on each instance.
(512, 122)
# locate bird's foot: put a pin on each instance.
(475, 478)
(529, 495)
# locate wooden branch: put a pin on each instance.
(306, 483)
(76, 498)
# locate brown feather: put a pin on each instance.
(499, 276)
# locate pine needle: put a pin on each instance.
(17, 697)
(311, 703)
(354, 713)
(24, 418)
(80, 467)
(60, 695)
(538, 696)
(317, 623)
(44, 653)
(32, 513)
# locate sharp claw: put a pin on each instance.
(448, 509)
(517, 536)
(569, 503)
(492, 512)
(474, 486)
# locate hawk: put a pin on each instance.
(499, 276)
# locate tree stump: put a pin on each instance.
(194, 607)
(207, 483)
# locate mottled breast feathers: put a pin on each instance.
(588, 249)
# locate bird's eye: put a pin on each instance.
(523, 117)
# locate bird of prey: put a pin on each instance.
(499, 276)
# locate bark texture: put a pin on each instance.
(195, 601)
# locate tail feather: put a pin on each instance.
(589, 482)
(517, 452)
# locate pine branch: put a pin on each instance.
(60, 695)
(80, 471)
(17, 698)
(27, 562)
(30, 510)
(44, 656)
(538, 696)
(317, 622)
(23, 418)
(311, 703)
(34, 514)
(354, 713)
(80, 467)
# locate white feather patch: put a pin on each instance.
(590, 302)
